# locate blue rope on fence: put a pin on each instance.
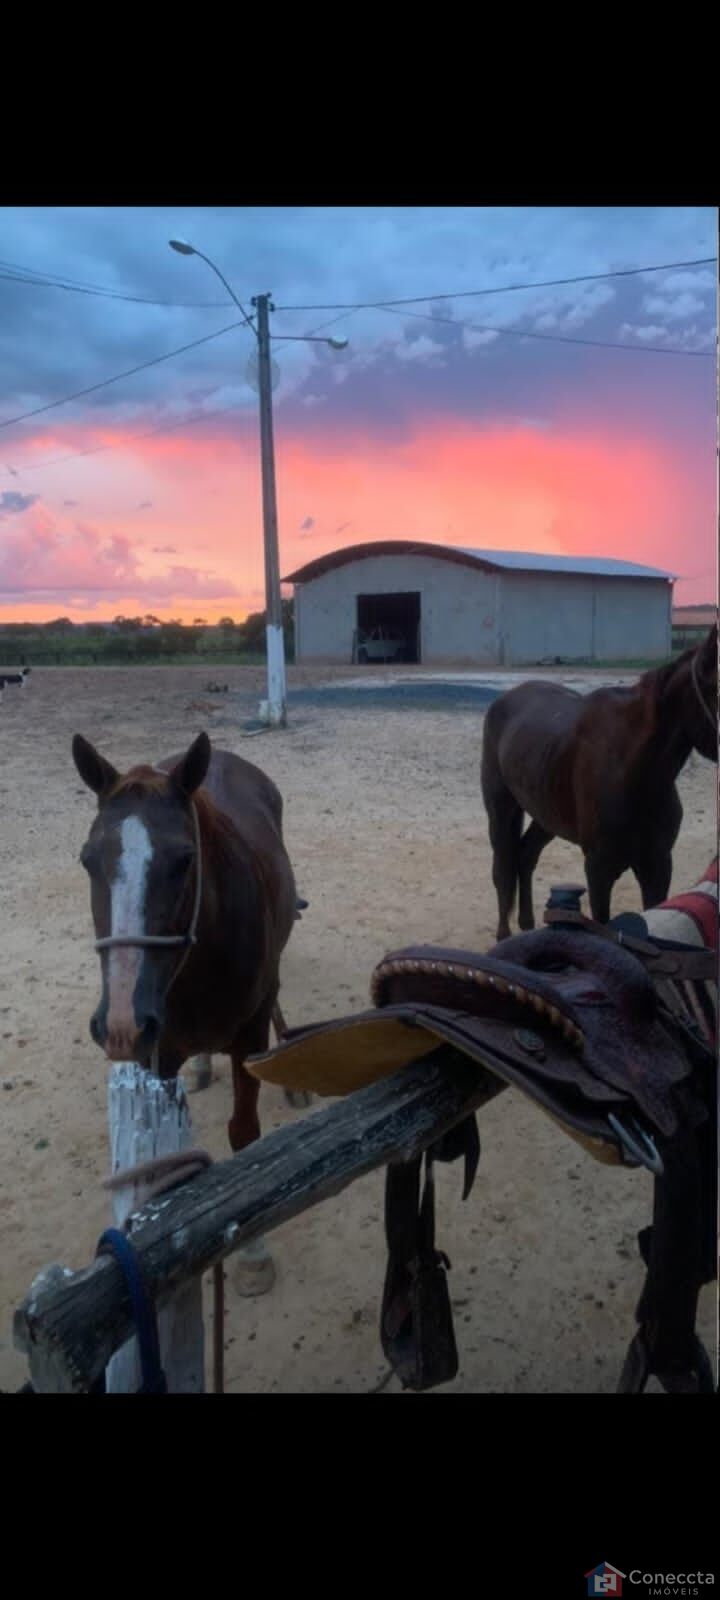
(117, 1244)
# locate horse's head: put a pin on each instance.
(704, 712)
(140, 856)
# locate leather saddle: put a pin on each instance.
(576, 1017)
(572, 1020)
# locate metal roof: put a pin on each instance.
(489, 560)
(601, 566)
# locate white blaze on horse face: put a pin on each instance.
(127, 920)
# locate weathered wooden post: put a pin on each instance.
(70, 1322)
(150, 1118)
(254, 1269)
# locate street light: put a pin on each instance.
(273, 711)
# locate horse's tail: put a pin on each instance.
(505, 817)
(491, 778)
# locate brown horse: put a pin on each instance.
(193, 899)
(598, 770)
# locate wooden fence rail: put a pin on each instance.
(71, 1324)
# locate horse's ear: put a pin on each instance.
(192, 770)
(95, 771)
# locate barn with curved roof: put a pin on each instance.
(409, 600)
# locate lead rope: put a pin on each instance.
(116, 1243)
(165, 1173)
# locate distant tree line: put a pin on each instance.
(128, 640)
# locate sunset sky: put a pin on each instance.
(448, 419)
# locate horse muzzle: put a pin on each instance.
(125, 1039)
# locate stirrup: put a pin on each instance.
(697, 1378)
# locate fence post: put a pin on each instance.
(147, 1118)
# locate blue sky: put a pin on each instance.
(434, 422)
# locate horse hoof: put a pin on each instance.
(200, 1074)
(200, 1080)
(300, 1099)
(254, 1269)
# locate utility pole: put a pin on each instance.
(274, 709)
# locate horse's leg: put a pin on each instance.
(652, 861)
(278, 1021)
(254, 1271)
(505, 819)
(505, 826)
(300, 1099)
(654, 879)
(601, 874)
(244, 1124)
(532, 844)
(202, 1072)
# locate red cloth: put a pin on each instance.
(701, 904)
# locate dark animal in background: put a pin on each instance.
(598, 770)
(14, 677)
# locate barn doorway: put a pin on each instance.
(388, 627)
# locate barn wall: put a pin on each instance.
(578, 617)
(633, 618)
(485, 619)
(459, 607)
(545, 615)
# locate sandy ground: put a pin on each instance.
(387, 833)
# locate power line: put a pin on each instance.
(110, 294)
(96, 449)
(506, 288)
(394, 307)
(45, 276)
(164, 427)
(13, 273)
(553, 338)
(93, 387)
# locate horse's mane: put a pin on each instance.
(222, 840)
(642, 700)
(223, 846)
(648, 693)
(137, 782)
(654, 684)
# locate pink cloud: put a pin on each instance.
(39, 556)
(591, 484)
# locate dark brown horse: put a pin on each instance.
(193, 899)
(598, 770)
